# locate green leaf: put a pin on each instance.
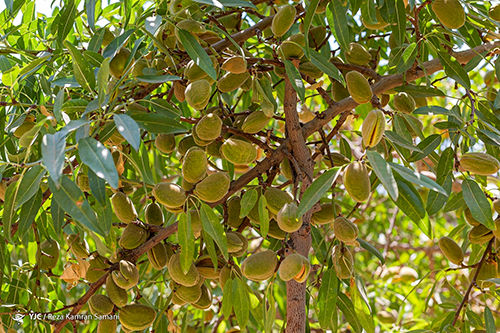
(427, 146)
(410, 202)
(263, 216)
(295, 79)
(327, 298)
(197, 53)
(435, 200)
(241, 304)
(129, 129)
(227, 298)
(81, 68)
(270, 311)
(336, 15)
(445, 164)
(141, 161)
(345, 305)
(325, 66)
(186, 241)
(310, 11)
(28, 185)
(212, 226)
(66, 20)
(383, 172)
(53, 146)
(434, 109)
(400, 141)
(248, 201)
(71, 199)
(90, 10)
(116, 44)
(316, 190)
(454, 69)
(372, 249)
(102, 79)
(28, 213)
(420, 91)
(98, 188)
(478, 203)
(418, 178)
(361, 306)
(227, 3)
(399, 30)
(157, 78)
(99, 159)
(489, 321)
(156, 122)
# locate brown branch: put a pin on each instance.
(473, 282)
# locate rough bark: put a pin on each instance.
(301, 239)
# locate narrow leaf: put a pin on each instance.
(197, 53)
(383, 172)
(477, 202)
(129, 129)
(316, 190)
(212, 226)
(99, 159)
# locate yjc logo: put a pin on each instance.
(18, 317)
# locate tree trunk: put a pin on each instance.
(301, 239)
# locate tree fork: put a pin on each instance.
(301, 239)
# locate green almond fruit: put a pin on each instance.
(117, 295)
(276, 199)
(76, 246)
(450, 13)
(118, 63)
(191, 25)
(47, 254)
(451, 250)
(325, 215)
(373, 128)
(169, 195)
(193, 72)
(136, 317)
(233, 212)
(205, 300)
(194, 165)
(494, 12)
(100, 305)
(480, 235)
(469, 218)
(238, 151)
(259, 266)
(287, 218)
(275, 231)
(235, 65)
(357, 54)
(292, 266)
(255, 122)
(488, 271)
(343, 262)
(127, 276)
(154, 214)
(106, 326)
(123, 207)
(165, 143)
(345, 230)
(404, 102)
(133, 236)
(198, 94)
(480, 163)
(213, 188)
(189, 279)
(292, 47)
(97, 268)
(188, 294)
(230, 81)
(158, 256)
(358, 87)
(357, 181)
(206, 268)
(209, 127)
(283, 20)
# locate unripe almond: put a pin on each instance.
(276, 199)
(188, 279)
(169, 195)
(325, 215)
(179, 91)
(450, 13)
(451, 250)
(158, 256)
(127, 276)
(213, 188)
(100, 305)
(230, 81)
(373, 128)
(357, 181)
(357, 54)
(194, 165)
(238, 151)
(136, 317)
(235, 65)
(345, 230)
(133, 236)
(404, 102)
(154, 214)
(283, 20)
(287, 218)
(294, 265)
(343, 262)
(358, 87)
(480, 235)
(123, 207)
(209, 127)
(118, 295)
(255, 122)
(47, 254)
(480, 163)
(198, 94)
(259, 266)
